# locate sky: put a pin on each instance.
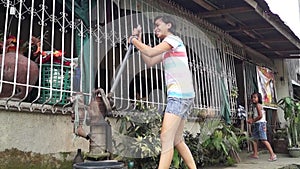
(288, 11)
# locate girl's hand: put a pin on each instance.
(136, 33)
(131, 38)
(250, 121)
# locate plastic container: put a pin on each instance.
(60, 83)
(99, 165)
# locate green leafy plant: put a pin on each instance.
(218, 147)
(291, 109)
(143, 144)
(176, 161)
(1, 37)
(213, 145)
(234, 92)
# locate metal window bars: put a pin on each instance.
(91, 39)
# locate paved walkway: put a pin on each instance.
(284, 160)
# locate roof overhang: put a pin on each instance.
(250, 22)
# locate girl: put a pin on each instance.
(259, 129)
(172, 52)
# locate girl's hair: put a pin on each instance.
(258, 95)
(168, 19)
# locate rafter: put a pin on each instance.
(220, 12)
(204, 5)
(281, 51)
(277, 40)
(249, 28)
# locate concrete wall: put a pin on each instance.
(37, 132)
(282, 85)
(47, 133)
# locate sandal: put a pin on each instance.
(273, 158)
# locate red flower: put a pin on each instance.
(11, 39)
(57, 53)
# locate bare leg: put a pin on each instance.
(267, 144)
(255, 149)
(166, 159)
(167, 136)
(182, 148)
(186, 154)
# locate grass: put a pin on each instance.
(16, 159)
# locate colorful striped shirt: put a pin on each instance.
(178, 76)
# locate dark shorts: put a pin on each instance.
(178, 106)
(259, 131)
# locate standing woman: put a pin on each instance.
(180, 91)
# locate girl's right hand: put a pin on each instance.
(250, 121)
(131, 38)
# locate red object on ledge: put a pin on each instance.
(21, 75)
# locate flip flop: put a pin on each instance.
(274, 158)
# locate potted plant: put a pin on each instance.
(280, 141)
(291, 108)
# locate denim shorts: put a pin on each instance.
(259, 131)
(178, 106)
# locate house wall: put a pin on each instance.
(37, 132)
(48, 133)
(281, 85)
(52, 133)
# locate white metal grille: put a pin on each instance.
(93, 36)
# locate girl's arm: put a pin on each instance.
(259, 112)
(151, 55)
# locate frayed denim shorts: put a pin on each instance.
(179, 106)
(259, 131)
